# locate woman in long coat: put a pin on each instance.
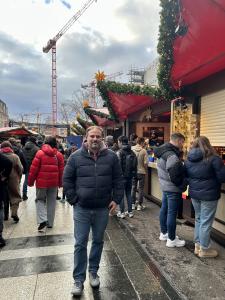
(14, 179)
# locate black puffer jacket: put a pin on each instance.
(22, 158)
(91, 182)
(5, 170)
(29, 151)
(204, 176)
(128, 161)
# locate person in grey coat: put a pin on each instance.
(172, 181)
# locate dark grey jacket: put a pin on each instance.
(29, 151)
(170, 168)
(93, 183)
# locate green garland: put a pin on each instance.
(91, 111)
(105, 87)
(78, 129)
(85, 124)
(169, 18)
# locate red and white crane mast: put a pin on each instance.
(52, 45)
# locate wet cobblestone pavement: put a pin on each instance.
(39, 266)
(181, 273)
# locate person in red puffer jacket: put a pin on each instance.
(46, 170)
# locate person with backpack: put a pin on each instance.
(172, 181)
(142, 164)
(128, 162)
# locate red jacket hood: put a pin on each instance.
(48, 150)
(6, 150)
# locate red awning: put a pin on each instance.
(127, 104)
(103, 122)
(16, 131)
(201, 51)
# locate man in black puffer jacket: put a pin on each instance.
(171, 174)
(93, 184)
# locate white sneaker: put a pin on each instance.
(175, 243)
(94, 280)
(121, 215)
(139, 207)
(163, 237)
(133, 207)
(77, 289)
(130, 215)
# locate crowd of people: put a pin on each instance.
(103, 177)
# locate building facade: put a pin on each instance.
(4, 117)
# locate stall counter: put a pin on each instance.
(152, 187)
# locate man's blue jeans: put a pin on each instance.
(84, 220)
(204, 217)
(168, 213)
(127, 190)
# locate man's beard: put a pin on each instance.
(95, 145)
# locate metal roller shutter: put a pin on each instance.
(212, 120)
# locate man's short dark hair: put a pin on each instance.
(177, 136)
(140, 140)
(123, 140)
(51, 141)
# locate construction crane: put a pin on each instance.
(52, 45)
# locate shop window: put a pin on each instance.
(154, 134)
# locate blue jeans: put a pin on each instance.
(168, 213)
(84, 220)
(25, 184)
(127, 190)
(204, 217)
(1, 219)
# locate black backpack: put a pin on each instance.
(128, 163)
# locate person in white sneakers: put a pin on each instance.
(128, 162)
(142, 163)
(172, 180)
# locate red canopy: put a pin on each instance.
(201, 51)
(16, 131)
(99, 120)
(126, 104)
(103, 122)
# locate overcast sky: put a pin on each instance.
(110, 36)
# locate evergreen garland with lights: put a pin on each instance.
(169, 20)
(78, 129)
(105, 87)
(85, 124)
(91, 111)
